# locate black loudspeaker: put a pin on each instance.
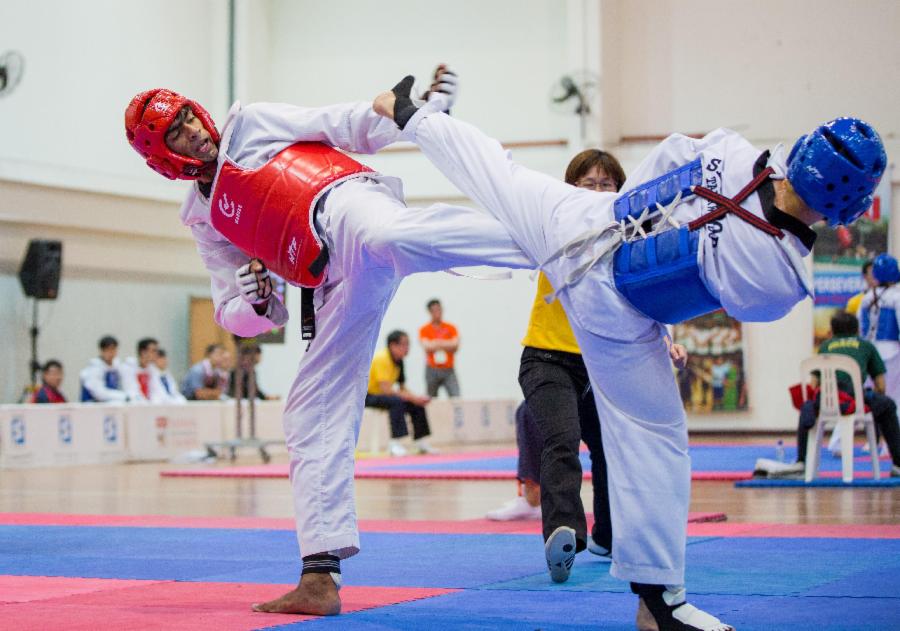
(41, 268)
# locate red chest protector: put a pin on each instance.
(267, 212)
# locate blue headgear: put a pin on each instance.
(885, 269)
(836, 168)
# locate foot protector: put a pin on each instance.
(560, 553)
(670, 609)
(404, 108)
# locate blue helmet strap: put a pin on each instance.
(732, 205)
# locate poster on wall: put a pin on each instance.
(713, 380)
(839, 254)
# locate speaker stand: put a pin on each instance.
(34, 366)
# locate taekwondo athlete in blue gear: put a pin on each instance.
(101, 379)
(747, 256)
(878, 319)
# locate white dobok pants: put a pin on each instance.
(374, 240)
(642, 417)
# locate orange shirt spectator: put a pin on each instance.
(441, 341)
(443, 331)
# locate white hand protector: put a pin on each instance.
(444, 88)
(253, 282)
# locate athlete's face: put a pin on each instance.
(188, 137)
(596, 179)
(437, 312)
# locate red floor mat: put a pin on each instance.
(167, 605)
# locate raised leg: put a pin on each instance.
(528, 203)
(408, 240)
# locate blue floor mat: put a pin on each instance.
(475, 609)
(260, 556)
(703, 458)
(885, 483)
(755, 583)
(771, 567)
(498, 562)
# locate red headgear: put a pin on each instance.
(148, 118)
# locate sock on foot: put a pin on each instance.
(404, 108)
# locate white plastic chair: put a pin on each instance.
(830, 414)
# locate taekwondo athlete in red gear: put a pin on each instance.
(320, 200)
(618, 281)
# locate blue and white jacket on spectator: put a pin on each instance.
(102, 382)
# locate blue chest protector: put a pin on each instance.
(661, 190)
(659, 274)
(886, 329)
(887, 326)
(110, 379)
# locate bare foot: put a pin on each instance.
(645, 620)
(316, 595)
(384, 104)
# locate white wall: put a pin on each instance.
(84, 62)
(772, 68)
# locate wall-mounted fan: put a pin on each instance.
(573, 92)
(12, 65)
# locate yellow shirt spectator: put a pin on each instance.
(853, 303)
(548, 327)
(383, 369)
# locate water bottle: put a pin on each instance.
(779, 450)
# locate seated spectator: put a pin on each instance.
(168, 392)
(845, 340)
(249, 356)
(101, 380)
(387, 391)
(441, 341)
(51, 380)
(207, 379)
(140, 378)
